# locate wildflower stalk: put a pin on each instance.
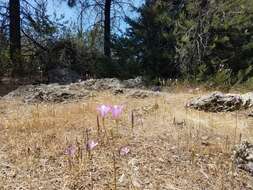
(87, 144)
(98, 126)
(174, 120)
(105, 130)
(114, 172)
(199, 120)
(91, 175)
(70, 162)
(79, 151)
(186, 114)
(236, 126)
(116, 111)
(70, 152)
(132, 119)
(226, 144)
(112, 135)
(103, 111)
(192, 155)
(117, 125)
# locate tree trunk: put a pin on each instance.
(107, 28)
(15, 36)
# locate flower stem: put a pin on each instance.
(87, 144)
(98, 126)
(132, 119)
(114, 172)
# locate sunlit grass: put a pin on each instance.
(155, 143)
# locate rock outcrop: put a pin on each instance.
(247, 99)
(133, 83)
(99, 84)
(57, 93)
(219, 102)
(53, 93)
(141, 94)
(243, 157)
(110, 83)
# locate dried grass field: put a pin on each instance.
(171, 148)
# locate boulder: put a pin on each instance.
(63, 76)
(243, 156)
(107, 83)
(219, 102)
(118, 91)
(110, 84)
(250, 114)
(55, 95)
(52, 93)
(247, 99)
(133, 83)
(56, 92)
(100, 84)
(141, 94)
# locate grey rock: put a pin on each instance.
(247, 99)
(106, 84)
(219, 102)
(243, 156)
(133, 83)
(250, 114)
(118, 91)
(101, 84)
(53, 93)
(110, 83)
(56, 92)
(63, 76)
(141, 94)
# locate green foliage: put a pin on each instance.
(213, 36)
(70, 53)
(151, 40)
(244, 74)
(5, 63)
(222, 77)
(249, 84)
(194, 40)
(125, 62)
(202, 73)
(209, 41)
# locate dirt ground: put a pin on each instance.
(171, 148)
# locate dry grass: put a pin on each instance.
(171, 148)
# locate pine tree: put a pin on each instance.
(152, 34)
(15, 36)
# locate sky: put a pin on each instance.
(71, 14)
(61, 8)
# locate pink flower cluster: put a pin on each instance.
(71, 149)
(91, 145)
(115, 110)
(124, 151)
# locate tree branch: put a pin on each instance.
(34, 41)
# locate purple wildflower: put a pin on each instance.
(91, 145)
(124, 151)
(70, 150)
(116, 111)
(103, 110)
